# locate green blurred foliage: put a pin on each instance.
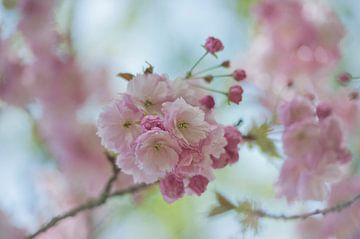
(259, 136)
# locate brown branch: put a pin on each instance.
(106, 194)
(337, 208)
(92, 203)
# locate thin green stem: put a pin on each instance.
(219, 76)
(208, 69)
(189, 74)
(212, 90)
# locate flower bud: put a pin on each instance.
(323, 110)
(208, 101)
(225, 64)
(213, 45)
(235, 94)
(344, 78)
(239, 74)
(208, 78)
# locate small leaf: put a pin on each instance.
(149, 69)
(217, 211)
(126, 76)
(259, 136)
(224, 201)
(224, 206)
(245, 207)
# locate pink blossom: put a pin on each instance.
(215, 143)
(323, 111)
(156, 152)
(15, 77)
(208, 101)
(343, 224)
(193, 162)
(38, 26)
(149, 91)
(8, 230)
(303, 138)
(231, 155)
(239, 74)
(198, 184)
(118, 125)
(150, 122)
(333, 139)
(213, 45)
(78, 152)
(185, 121)
(233, 137)
(295, 111)
(314, 149)
(235, 94)
(293, 43)
(315, 154)
(172, 188)
(301, 178)
(128, 164)
(188, 90)
(60, 199)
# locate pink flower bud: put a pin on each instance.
(344, 78)
(239, 74)
(213, 45)
(235, 94)
(198, 184)
(323, 111)
(172, 188)
(208, 101)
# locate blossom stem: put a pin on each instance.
(212, 90)
(220, 76)
(189, 73)
(324, 212)
(212, 76)
(208, 69)
(92, 203)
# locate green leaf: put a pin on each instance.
(259, 136)
(224, 201)
(149, 69)
(245, 207)
(224, 206)
(126, 76)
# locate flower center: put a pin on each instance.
(148, 103)
(127, 124)
(157, 146)
(182, 125)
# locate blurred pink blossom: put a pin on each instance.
(315, 153)
(8, 229)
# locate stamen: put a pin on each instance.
(148, 103)
(127, 124)
(157, 146)
(183, 125)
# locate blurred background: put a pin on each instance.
(120, 36)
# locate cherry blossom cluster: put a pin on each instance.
(164, 130)
(314, 147)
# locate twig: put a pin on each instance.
(106, 194)
(92, 203)
(337, 208)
